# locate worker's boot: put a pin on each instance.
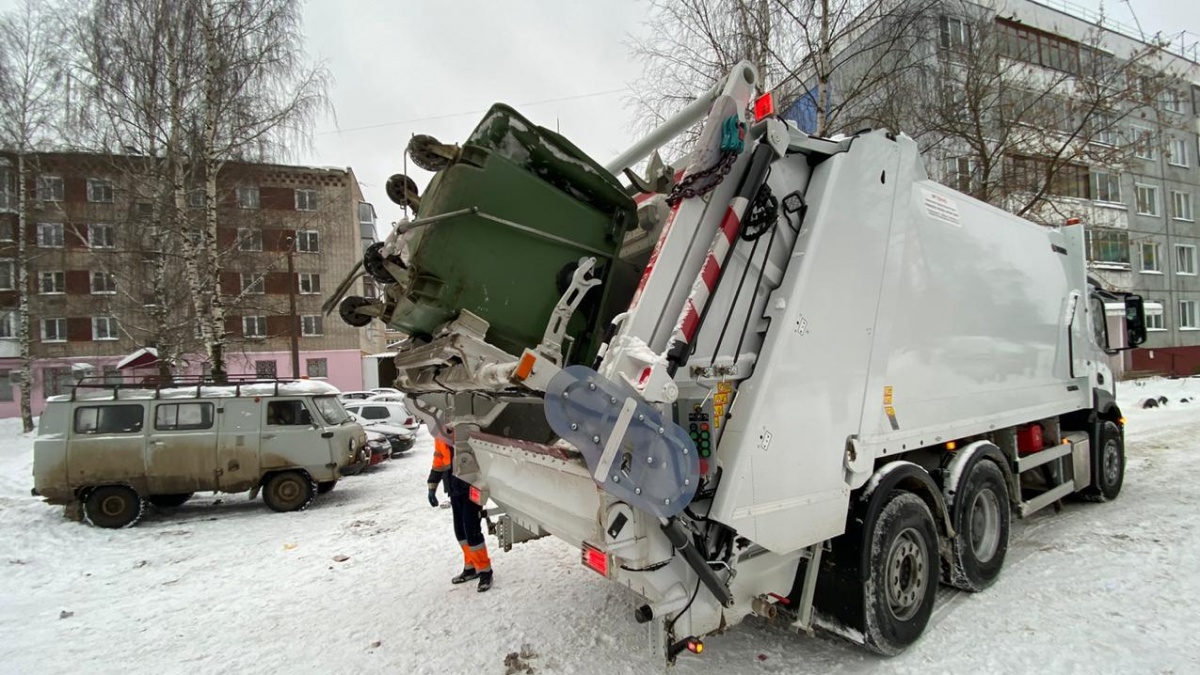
(485, 581)
(466, 575)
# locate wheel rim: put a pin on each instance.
(906, 564)
(985, 525)
(112, 506)
(1112, 463)
(288, 490)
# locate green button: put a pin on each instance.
(703, 434)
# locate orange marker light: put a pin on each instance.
(525, 367)
(951, 445)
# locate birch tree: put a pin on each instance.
(30, 78)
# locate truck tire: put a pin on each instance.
(1109, 460)
(981, 523)
(171, 500)
(289, 491)
(113, 506)
(902, 575)
(325, 486)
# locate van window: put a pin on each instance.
(331, 409)
(109, 419)
(182, 416)
(285, 413)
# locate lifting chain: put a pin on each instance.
(712, 177)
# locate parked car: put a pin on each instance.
(347, 396)
(379, 445)
(111, 448)
(391, 412)
(387, 390)
(401, 439)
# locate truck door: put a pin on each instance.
(238, 467)
(289, 437)
(181, 447)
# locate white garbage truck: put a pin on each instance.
(801, 380)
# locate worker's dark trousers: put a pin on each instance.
(467, 527)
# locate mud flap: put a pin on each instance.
(631, 451)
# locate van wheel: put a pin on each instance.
(289, 491)
(903, 574)
(325, 486)
(1109, 473)
(168, 501)
(113, 506)
(981, 520)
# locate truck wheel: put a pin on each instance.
(113, 506)
(981, 520)
(325, 486)
(903, 574)
(1109, 472)
(170, 500)
(289, 491)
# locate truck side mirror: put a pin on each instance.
(1135, 320)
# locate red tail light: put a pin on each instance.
(475, 496)
(764, 107)
(410, 420)
(595, 559)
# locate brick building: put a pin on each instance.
(93, 246)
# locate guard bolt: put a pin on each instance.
(649, 460)
(595, 439)
(616, 478)
(661, 430)
(592, 386)
(637, 491)
(574, 426)
(666, 501)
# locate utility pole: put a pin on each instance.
(294, 321)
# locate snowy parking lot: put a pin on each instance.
(360, 583)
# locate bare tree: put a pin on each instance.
(30, 76)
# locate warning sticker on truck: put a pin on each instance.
(941, 207)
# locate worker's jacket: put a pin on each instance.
(443, 465)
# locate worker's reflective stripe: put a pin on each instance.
(442, 459)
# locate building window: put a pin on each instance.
(317, 367)
(960, 174)
(50, 188)
(1102, 129)
(103, 283)
(247, 197)
(308, 241)
(306, 200)
(1172, 100)
(311, 325)
(104, 328)
(1178, 155)
(100, 190)
(1154, 315)
(1144, 144)
(1106, 187)
(10, 324)
(112, 375)
(52, 282)
(54, 330)
(310, 284)
(8, 275)
(1108, 246)
(197, 198)
(254, 326)
(1187, 315)
(954, 34)
(366, 214)
(1185, 259)
(6, 388)
(8, 200)
(1029, 174)
(252, 285)
(1181, 205)
(101, 236)
(6, 230)
(1147, 200)
(265, 369)
(249, 239)
(50, 235)
(1150, 262)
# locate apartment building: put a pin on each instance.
(1137, 188)
(106, 282)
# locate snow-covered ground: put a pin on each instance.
(224, 585)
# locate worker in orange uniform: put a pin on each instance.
(467, 515)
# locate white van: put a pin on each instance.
(110, 448)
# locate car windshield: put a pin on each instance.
(331, 409)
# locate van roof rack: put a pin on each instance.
(139, 383)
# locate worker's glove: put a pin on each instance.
(433, 500)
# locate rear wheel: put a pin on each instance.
(981, 521)
(903, 574)
(1109, 472)
(289, 491)
(113, 506)
(170, 500)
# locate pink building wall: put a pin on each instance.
(345, 371)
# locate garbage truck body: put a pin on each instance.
(797, 378)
